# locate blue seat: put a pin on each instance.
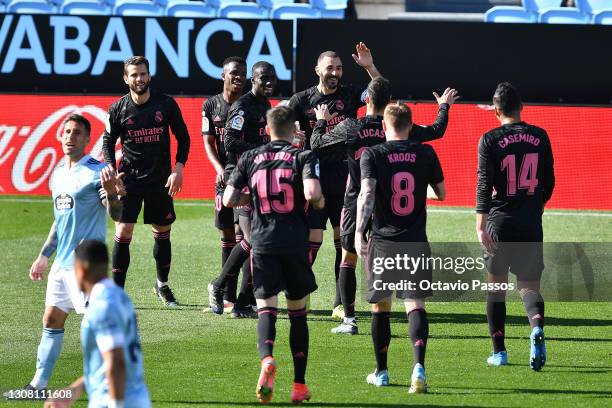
(86, 8)
(593, 6)
(603, 17)
(330, 8)
(293, 11)
(270, 4)
(509, 14)
(538, 6)
(564, 15)
(141, 8)
(217, 4)
(31, 7)
(243, 10)
(193, 9)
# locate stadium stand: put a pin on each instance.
(563, 15)
(510, 14)
(330, 8)
(603, 17)
(31, 7)
(138, 8)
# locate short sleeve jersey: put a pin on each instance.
(274, 174)
(77, 208)
(402, 170)
(214, 115)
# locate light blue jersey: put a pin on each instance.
(79, 213)
(110, 323)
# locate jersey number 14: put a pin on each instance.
(527, 176)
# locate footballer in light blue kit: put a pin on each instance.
(83, 190)
(112, 360)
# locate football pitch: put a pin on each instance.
(196, 359)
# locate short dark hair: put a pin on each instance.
(237, 60)
(95, 254)
(261, 65)
(379, 92)
(330, 54)
(507, 99)
(398, 116)
(75, 117)
(281, 120)
(135, 60)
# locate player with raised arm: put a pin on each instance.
(342, 101)
(245, 129)
(394, 182)
(142, 120)
(83, 189)
(516, 160)
(214, 115)
(350, 138)
(281, 179)
(112, 359)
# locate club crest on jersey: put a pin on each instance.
(205, 124)
(262, 119)
(159, 116)
(64, 202)
(339, 105)
(237, 123)
(129, 121)
(317, 171)
(217, 119)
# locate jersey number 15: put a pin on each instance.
(274, 190)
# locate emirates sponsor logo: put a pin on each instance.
(36, 158)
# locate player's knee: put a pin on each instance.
(336, 232)
(524, 291)
(382, 307)
(124, 231)
(228, 234)
(160, 228)
(349, 258)
(53, 320)
(316, 235)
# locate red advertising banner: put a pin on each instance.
(30, 147)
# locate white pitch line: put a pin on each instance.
(430, 209)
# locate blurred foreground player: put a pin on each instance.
(516, 160)
(142, 120)
(394, 182)
(343, 102)
(112, 360)
(82, 189)
(245, 129)
(282, 179)
(214, 115)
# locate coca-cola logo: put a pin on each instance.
(34, 161)
(64, 202)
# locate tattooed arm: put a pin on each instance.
(233, 197)
(365, 207)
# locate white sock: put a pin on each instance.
(160, 284)
(349, 320)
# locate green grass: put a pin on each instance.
(197, 359)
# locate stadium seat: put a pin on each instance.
(294, 11)
(538, 6)
(31, 7)
(86, 8)
(564, 15)
(243, 10)
(330, 8)
(593, 6)
(270, 4)
(603, 17)
(509, 14)
(217, 4)
(186, 8)
(142, 8)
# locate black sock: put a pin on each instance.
(338, 299)
(239, 254)
(348, 286)
(419, 332)
(298, 340)
(266, 330)
(496, 316)
(313, 251)
(121, 259)
(162, 252)
(534, 306)
(229, 294)
(246, 296)
(381, 337)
